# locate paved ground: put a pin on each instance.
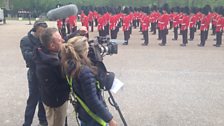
(164, 86)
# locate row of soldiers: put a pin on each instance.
(182, 19)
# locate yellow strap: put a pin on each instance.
(85, 107)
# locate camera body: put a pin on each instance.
(100, 47)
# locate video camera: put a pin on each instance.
(100, 47)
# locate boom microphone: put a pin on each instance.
(62, 12)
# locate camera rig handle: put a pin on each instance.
(115, 105)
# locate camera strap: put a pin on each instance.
(84, 106)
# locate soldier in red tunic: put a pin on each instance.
(162, 24)
(219, 28)
(184, 26)
(204, 27)
(145, 26)
(192, 25)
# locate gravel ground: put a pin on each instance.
(164, 86)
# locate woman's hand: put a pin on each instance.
(113, 123)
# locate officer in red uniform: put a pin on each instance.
(219, 28)
(184, 26)
(101, 26)
(176, 22)
(72, 23)
(91, 18)
(113, 31)
(154, 18)
(126, 29)
(192, 25)
(145, 26)
(162, 24)
(204, 27)
(85, 22)
(59, 25)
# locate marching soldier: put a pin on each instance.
(145, 26)
(126, 29)
(192, 25)
(176, 23)
(219, 28)
(162, 24)
(184, 26)
(204, 27)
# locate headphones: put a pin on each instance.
(39, 24)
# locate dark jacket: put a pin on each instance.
(27, 45)
(85, 87)
(53, 87)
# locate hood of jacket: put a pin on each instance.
(44, 56)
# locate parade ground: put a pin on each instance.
(163, 85)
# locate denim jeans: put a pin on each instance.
(33, 100)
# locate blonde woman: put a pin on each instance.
(77, 66)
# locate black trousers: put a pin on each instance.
(126, 35)
(163, 36)
(102, 33)
(206, 35)
(113, 34)
(91, 25)
(199, 24)
(153, 27)
(175, 32)
(68, 28)
(203, 37)
(146, 36)
(218, 38)
(171, 24)
(192, 31)
(96, 22)
(107, 30)
(160, 34)
(135, 23)
(213, 29)
(184, 36)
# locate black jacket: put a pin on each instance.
(53, 87)
(86, 88)
(27, 45)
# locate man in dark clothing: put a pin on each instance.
(27, 45)
(53, 86)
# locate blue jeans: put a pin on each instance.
(33, 100)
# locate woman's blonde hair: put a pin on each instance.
(75, 50)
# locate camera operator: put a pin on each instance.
(81, 32)
(77, 66)
(54, 88)
(27, 45)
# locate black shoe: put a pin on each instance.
(214, 39)
(190, 39)
(174, 39)
(161, 44)
(183, 45)
(153, 33)
(159, 39)
(42, 124)
(142, 39)
(144, 44)
(216, 45)
(200, 45)
(125, 43)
